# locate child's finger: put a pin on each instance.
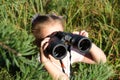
(81, 32)
(45, 43)
(84, 33)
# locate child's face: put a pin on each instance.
(49, 29)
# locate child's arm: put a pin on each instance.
(54, 71)
(96, 55)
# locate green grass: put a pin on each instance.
(101, 18)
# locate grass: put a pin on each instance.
(101, 18)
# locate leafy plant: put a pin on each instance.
(18, 54)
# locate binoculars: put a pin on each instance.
(59, 42)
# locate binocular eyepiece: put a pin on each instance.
(59, 42)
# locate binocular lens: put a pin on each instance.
(59, 51)
(84, 45)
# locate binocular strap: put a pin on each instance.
(62, 64)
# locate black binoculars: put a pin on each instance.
(59, 42)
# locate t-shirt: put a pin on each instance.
(76, 56)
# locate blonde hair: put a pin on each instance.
(43, 20)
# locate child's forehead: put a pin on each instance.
(47, 30)
(53, 28)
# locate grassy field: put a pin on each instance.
(101, 18)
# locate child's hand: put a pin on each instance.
(43, 46)
(83, 33)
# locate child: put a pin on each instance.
(44, 25)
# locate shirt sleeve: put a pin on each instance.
(76, 55)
